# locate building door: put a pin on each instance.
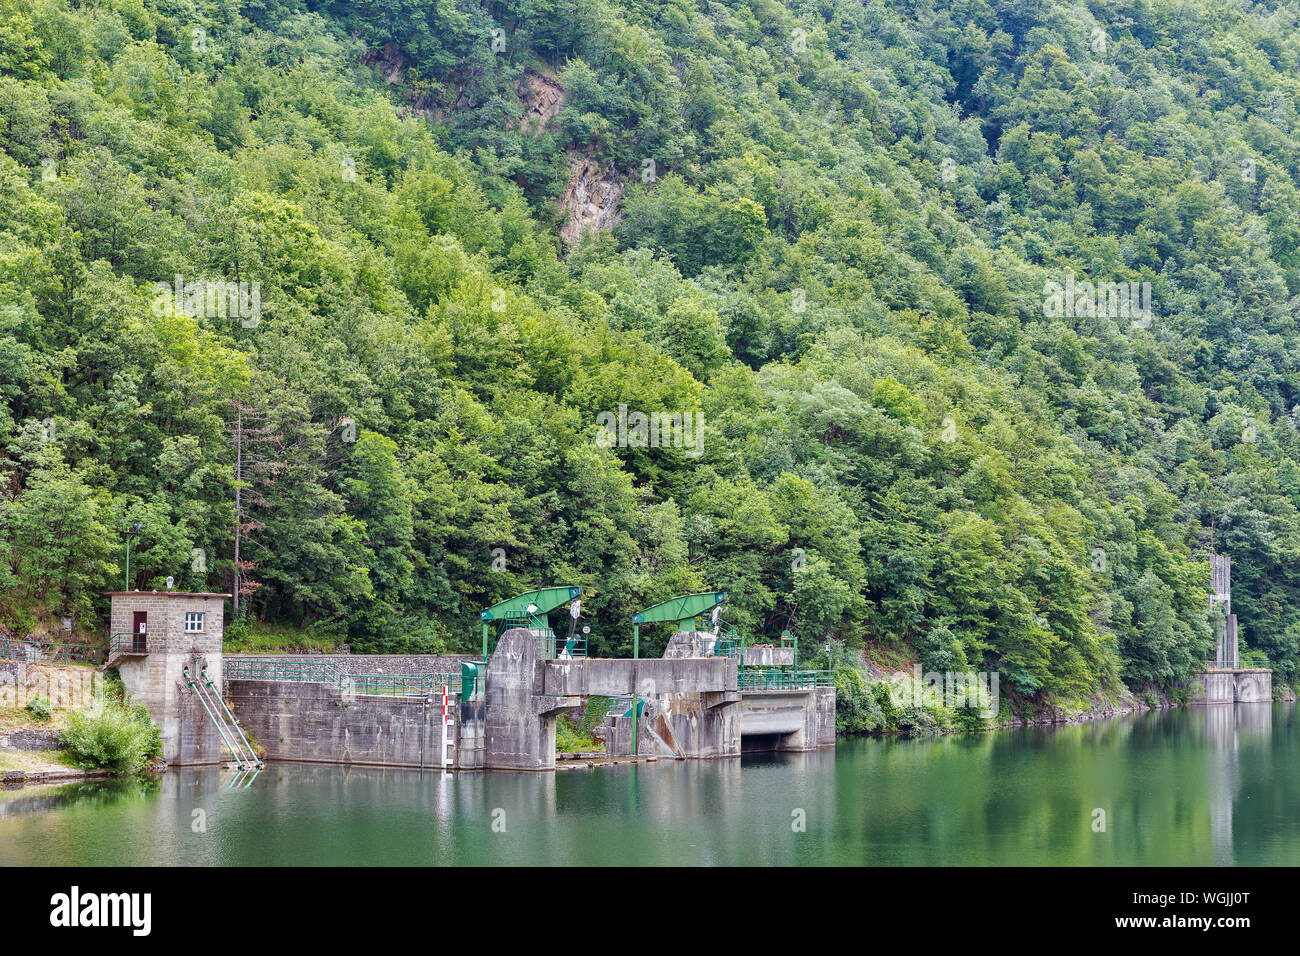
(139, 628)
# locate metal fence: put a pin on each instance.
(50, 652)
(327, 672)
(782, 678)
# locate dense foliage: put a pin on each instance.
(839, 223)
(119, 737)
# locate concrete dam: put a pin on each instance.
(708, 696)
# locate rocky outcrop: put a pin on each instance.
(591, 199)
(390, 61)
(543, 98)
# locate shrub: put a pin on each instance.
(969, 719)
(40, 708)
(941, 651)
(568, 739)
(920, 722)
(120, 738)
(856, 709)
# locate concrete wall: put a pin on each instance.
(1248, 685)
(693, 708)
(1253, 685)
(797, 719)
(693, 725)
(471, 739)
(313, 721)
(768, 655)
(606, 677)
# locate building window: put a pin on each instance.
(193, 622)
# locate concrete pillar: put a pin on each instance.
(518, 734)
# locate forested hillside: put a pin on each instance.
(839, 230)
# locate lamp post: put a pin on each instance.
(130, 533)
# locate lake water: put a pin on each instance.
(1208, 786)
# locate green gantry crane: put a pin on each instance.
(683, 609)
(530, 610)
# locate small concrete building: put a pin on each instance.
(156, 636)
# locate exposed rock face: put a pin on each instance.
(390, 60)
(590, 200)
(543, 98)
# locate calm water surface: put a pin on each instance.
(1210, 786)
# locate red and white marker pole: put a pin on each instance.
(446, 733)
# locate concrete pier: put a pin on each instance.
(1227, 685)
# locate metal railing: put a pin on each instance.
(327, 672)
(550, 646)
(50, 652)
(783, 678)
(127, 644)
(728, 645)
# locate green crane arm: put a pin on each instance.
(683, 609)
(546, 600)
(543, 601)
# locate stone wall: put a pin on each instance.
(30, 740)
(395, 665)
(317, 722)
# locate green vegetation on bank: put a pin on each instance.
(119, 737)
(838, 225)
(572, 738)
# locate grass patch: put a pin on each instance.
(34, 761)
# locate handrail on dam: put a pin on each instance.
(382, 685)
(780, 678)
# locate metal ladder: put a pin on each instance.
(232, 735)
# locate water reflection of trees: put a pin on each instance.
(86, 793)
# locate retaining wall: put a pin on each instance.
(395, 665)
(317, 722)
